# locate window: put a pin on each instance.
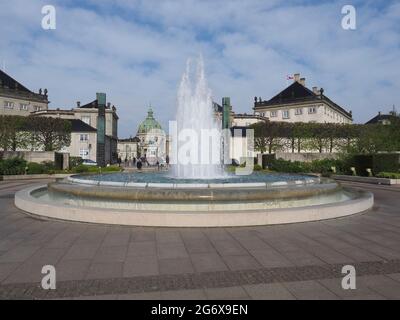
(84, 153)
(86, 119)
(285, 114)
(37, 108)
(84, 137)
(8, 105)
(312, 110)
(299, 111)
(23, 106)
(274, 114)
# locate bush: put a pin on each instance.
(257, 167)
(12, 166)
(109, 169)
(386, 162)
(388, 175)
(80, 169)
(74, 162)
(323, 167)
(36, 168)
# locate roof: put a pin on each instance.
(380, 118)
(297, 93)
(12, 83)
(150, 123)
(249, 116)
(80, 126)
(134, 139)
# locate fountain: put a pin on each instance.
(196, 192)
(195, 116)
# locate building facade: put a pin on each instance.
(150, 142)
(16, 99)
(84, 144)
(128, 149)
(297, 103)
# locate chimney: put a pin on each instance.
(315, 90)
(303, 81)
(297, 77)
(78, 104)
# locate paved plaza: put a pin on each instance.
(298, 261)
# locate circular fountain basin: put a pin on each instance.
(155, 199)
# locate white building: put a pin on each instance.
(150, 142)
(17, 100)
(84, 130)
(297, 103)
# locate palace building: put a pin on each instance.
(297, 103)
(16, 99)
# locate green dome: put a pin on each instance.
(149, 123)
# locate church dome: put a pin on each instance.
(150, 123)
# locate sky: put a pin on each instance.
(136, 50)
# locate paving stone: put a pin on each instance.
(271, 258)
(26, 273)
(205, 262)
(309, 290)
(140, 266)
(166, 236)
(141, 296)
(229, 293)
(171, 250)
(72, 269)
(18, 254)
(245, 262)
(361, 291)
(199, 246)
(195, 294)
(142, 248)
(111, 254)
(109, 270)
(146, 234)
(270, 291)
(6, 269)
(81, 251)
(117, 237)
(175, 266)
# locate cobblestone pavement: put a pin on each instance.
(298, 261)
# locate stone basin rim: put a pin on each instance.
(53, 210)
(306, 181)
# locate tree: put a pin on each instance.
(51, 134)
(12, 135)
(268, 136)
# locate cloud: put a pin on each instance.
(135, 51)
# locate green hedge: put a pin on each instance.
(12, 166)
(389, 175)
(323, 167)
(386, 162)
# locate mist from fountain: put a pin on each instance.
(195, 117)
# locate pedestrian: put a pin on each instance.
(167, 160)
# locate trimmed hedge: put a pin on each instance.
(12, 166)
(323, 167)
(386, 162)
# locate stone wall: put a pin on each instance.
(36, 156)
